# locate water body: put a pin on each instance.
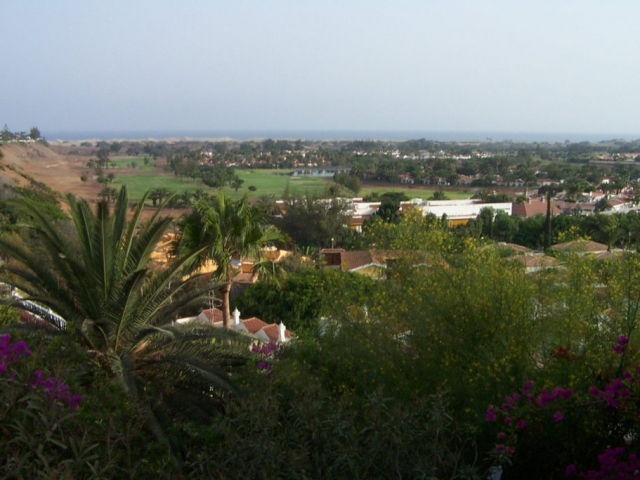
(340, 135)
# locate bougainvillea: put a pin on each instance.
(613, 402)
(54, 389)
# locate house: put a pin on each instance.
(536, 263)
(457, 211)
(619, 204)
(581, 247)
(610, 255)
(406, 178)
(535, 206)
(255, 327)
(374, 263)
(464, 179)
(510, 249)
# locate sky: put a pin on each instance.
(355, 65)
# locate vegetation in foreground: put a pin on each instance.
(446, 369)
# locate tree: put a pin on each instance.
(438, 195)
(602, 205)
(5, 134)
(236, 183)
(306, 296)
(349, 180)
(157, 195)
(103, 157)
(115, 147)
(505, 226)
(390, 205)
(485, 218)
(550, 192)
(313, 222)
(120, 310)
(223, 230)
(34, 133)
(108, 194)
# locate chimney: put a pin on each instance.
(236, 317)
(529, 200)
(281, 333)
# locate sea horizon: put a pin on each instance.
(340, 135)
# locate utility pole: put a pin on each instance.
(547, 223)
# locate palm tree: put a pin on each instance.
(157, 195)
(99, 279)
(221, 230)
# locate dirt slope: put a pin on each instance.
(59, 172)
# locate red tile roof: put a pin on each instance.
(254, 324)
(355, 259)
(271, 331)
(534, 207)
(214, 315)
(536, 261)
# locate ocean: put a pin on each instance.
(448, 136)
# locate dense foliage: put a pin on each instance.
(457, 363)
(616, 230)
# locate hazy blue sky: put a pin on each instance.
(432, 65)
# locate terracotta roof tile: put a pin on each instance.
(355, 259)
(271, 331)
(534, 207)
(513, 247)
(254, 324)
(580, 246)
(214, 315)
(533, 261)
(611, 255)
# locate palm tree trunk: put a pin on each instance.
(226, 307)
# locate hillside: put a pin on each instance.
(60, 172)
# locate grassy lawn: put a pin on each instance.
(265, 181)
(125, 162)
(268, 183)
(139, 183)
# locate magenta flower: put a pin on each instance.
(491, 414)
(522, 423)
(558, 416)
(545, 397)
(623, 340)
(621, 344)
(570, 470)
(75, 400)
